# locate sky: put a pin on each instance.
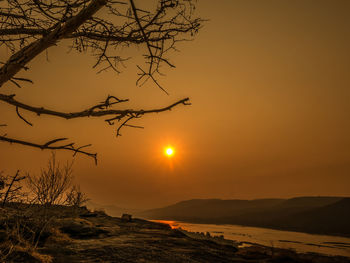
(269, 85)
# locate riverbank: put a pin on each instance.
(314, 215)
(244, 235)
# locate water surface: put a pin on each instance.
(301, 242)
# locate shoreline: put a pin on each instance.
(254, 246)
(247, 236)
(287, 229)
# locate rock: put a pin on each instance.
(80, 228)
(126, 218)
(88, 215)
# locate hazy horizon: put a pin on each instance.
(94, 204)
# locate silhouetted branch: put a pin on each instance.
(11, 192)
(18, 60)
(95, 111)
(125, 124)
(48, 146)
(28, 28)
(20, 116)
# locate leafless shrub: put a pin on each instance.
(75, 197)
(49, 187)
(10, 188)
(29, 224)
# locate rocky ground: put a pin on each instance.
(97, 237)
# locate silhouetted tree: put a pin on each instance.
(30, 27)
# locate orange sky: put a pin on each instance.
(269, 82)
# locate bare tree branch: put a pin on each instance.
(48, 146)
(27, 28)
(54, 20)
(12, 192)
(95, 111)
(25, 55)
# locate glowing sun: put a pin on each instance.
(169, 151)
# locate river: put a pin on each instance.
(300, 242)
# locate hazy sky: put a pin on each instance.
(269, 82)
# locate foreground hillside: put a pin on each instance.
(321, 215)
(96, 237)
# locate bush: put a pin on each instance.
(75, 197)
(50, 186)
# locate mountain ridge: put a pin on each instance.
(312, 214)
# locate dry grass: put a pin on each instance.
(57, 237)
(25, 228)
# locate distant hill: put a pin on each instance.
(210, 209)
(323, 215)
(332, 218)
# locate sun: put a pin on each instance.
(169, 151)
